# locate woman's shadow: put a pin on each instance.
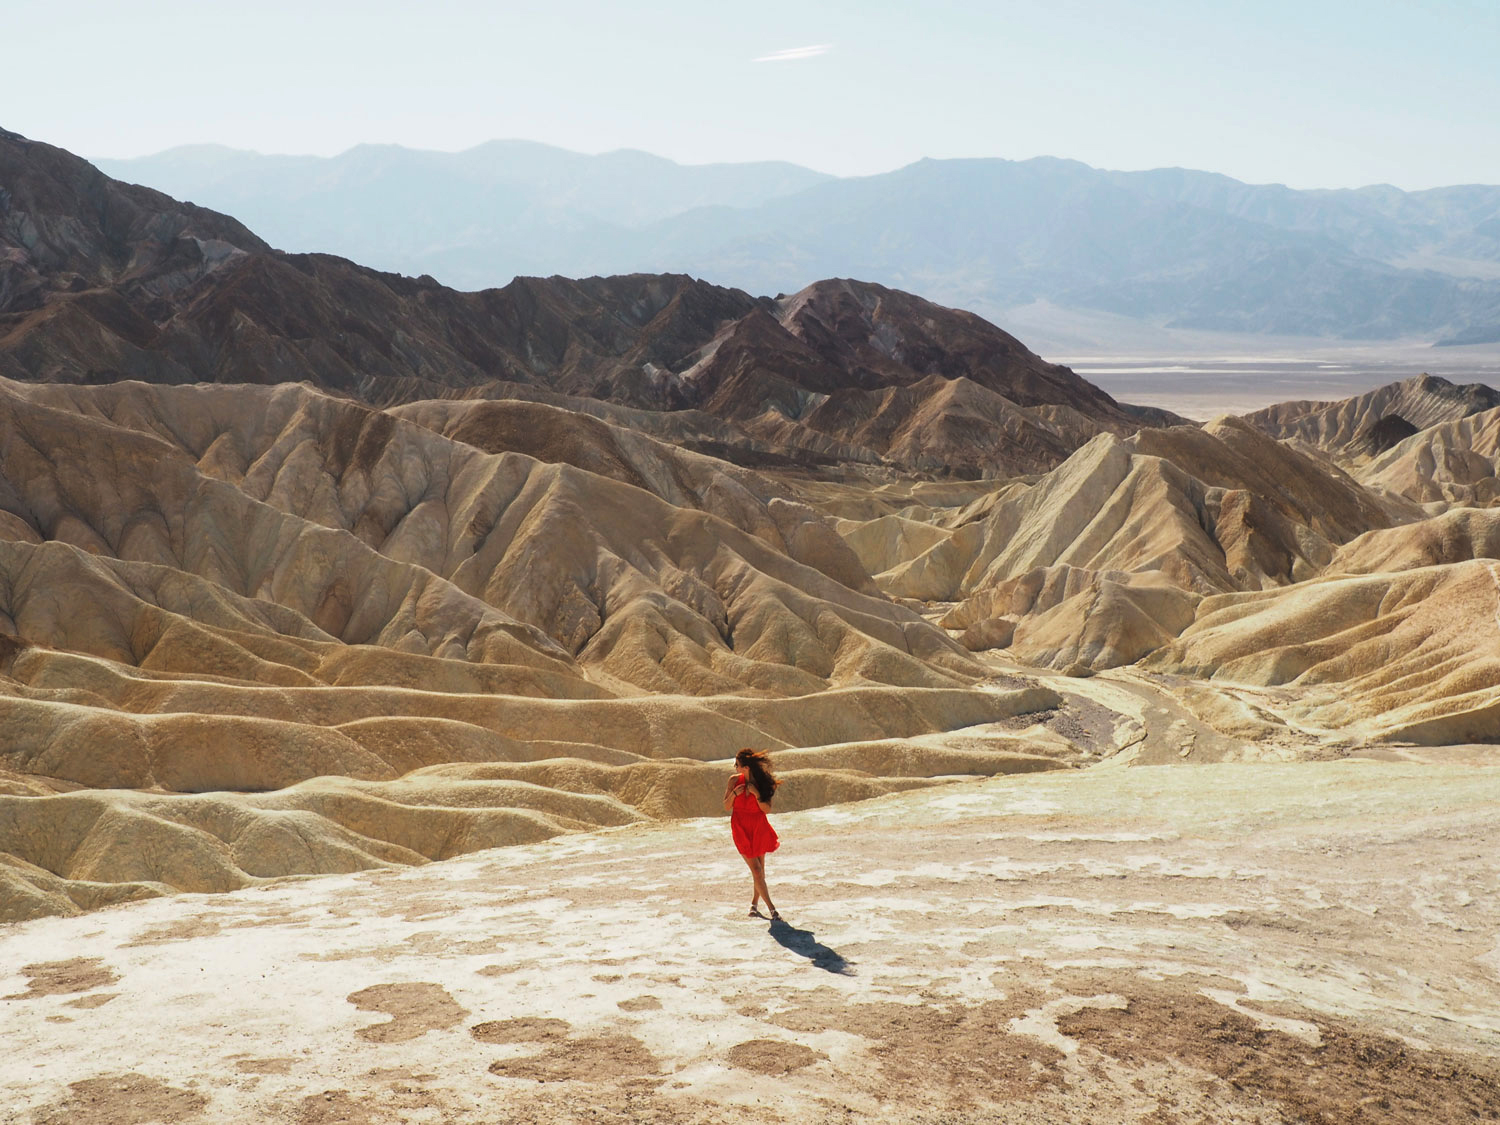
(804, 944)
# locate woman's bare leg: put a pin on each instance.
(758, 866)
(756, 879)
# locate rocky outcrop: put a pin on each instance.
(1365, 425)
(659, 595)
(1455, 462)
(1413, 655)
(67, 229)
(1213, 509)
(1455, 536)
(1106, 557)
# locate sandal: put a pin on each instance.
(755, 912)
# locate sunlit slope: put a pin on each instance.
(1412, 655)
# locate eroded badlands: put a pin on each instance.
(1136, 769)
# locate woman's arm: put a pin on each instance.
(765, 806)
(729, 788)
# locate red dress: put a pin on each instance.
(753, 834)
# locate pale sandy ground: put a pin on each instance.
(1266, 942)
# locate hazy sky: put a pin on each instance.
(1312, 93)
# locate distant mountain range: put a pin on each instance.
(1170, 247)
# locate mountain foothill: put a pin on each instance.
(308, 567)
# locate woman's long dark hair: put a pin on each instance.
(758, 762)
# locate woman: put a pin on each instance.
(747, 798)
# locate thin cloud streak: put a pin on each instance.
(791, 54)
